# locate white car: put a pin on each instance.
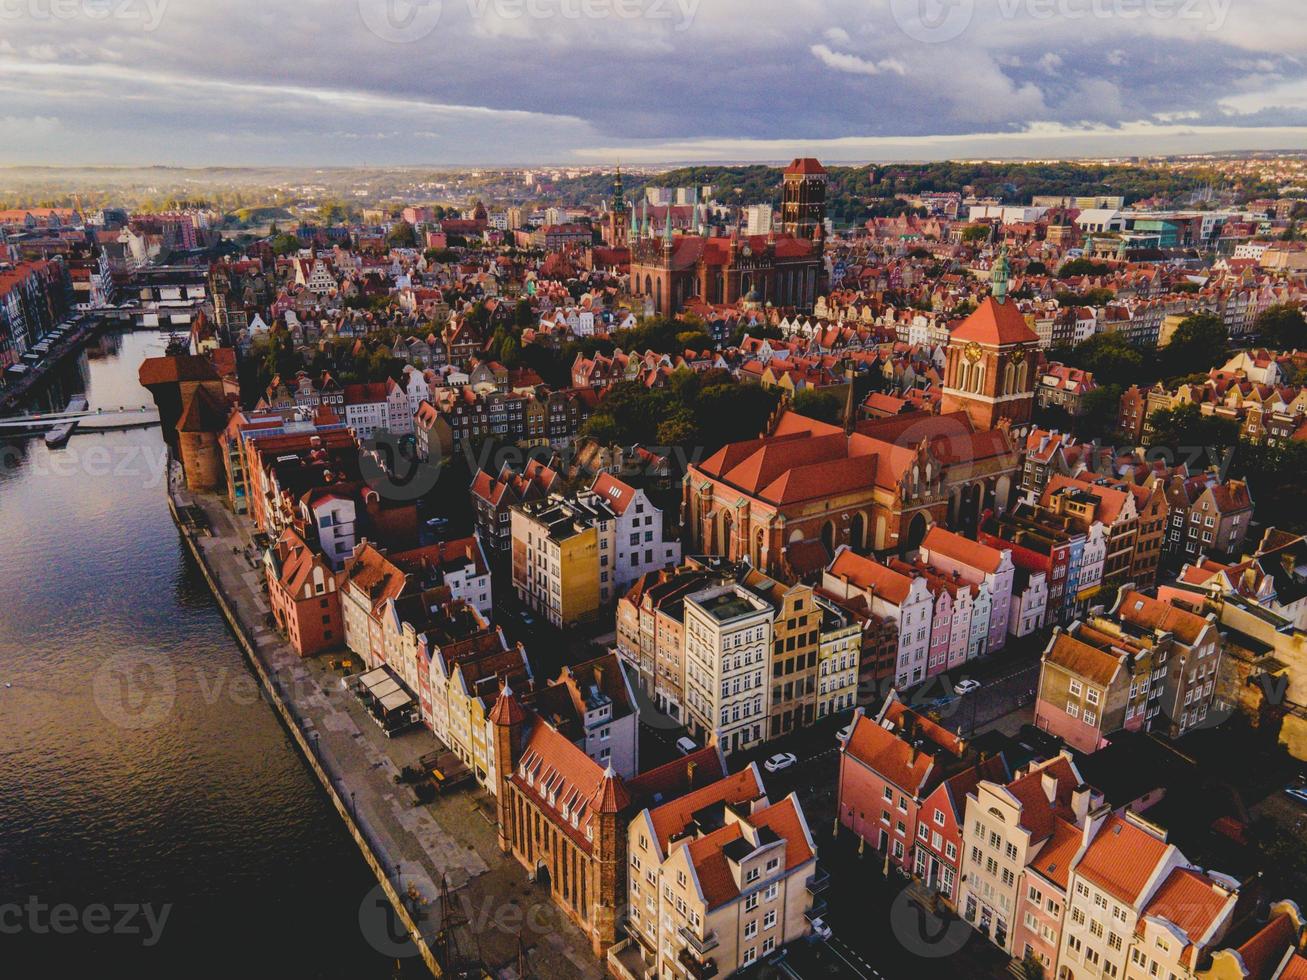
(843, 734)
(1298, 793)
(685, 745)
(820, 929)
(781, 760)
(966, 687)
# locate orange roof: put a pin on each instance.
(1054, 859)
(870, 575)
(1037, 810)
(713, 869)
(995, 324)
(1264, 950)
(1190, 900)
(1121, 858)
(964, 550)
(888, 755)
(1083, 660)
(672, 818)
(1142, 610)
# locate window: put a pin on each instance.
(769, 920)
(749, 956)
(1075, 688)
(768, 945)
(751, 929)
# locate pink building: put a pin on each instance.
(888, 766)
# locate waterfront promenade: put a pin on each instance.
(413, 846)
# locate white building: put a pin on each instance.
(906, 601)
(367, 408)
(639, 545)
(728, 642)
(334, 516)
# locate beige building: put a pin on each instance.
(1005, 829)
(728, 643)
(719, 879)
(837, 659)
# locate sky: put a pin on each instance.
(508, 82)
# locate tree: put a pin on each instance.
(678, 429)
(1109, 355)
(285, 244)
(824, 406)
(972, 234)
(402, 235)
(1082, 267)
(601, 427)
(1186, 427)
(1199, 343)
(1098, 412)
(1282, 327)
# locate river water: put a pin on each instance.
(155, 819)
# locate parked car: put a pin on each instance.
(685, 745)
(819, 928)
(781, 760)
(966, 686)
(438, 523)
(843, 734)
(1299, 793)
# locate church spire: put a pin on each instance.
(619, 193)
(667, 232)
(1001, 275)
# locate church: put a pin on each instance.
(786, 501)
(783, 270)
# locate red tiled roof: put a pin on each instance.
(938, 540)
(1121, 858)
(1082, 660)
(869, 574)
(995, 324)
(1037, 810)
(672, 818)
(1054, 859)
(805, 165)
(1264, 950)
(1190, 900)
(1142, 610)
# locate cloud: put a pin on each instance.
(306, 81)
(854, 65)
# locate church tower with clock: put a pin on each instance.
(992, 363)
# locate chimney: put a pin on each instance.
(1049, 783)
(690, 767)
(1080, 800)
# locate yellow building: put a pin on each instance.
(563, 555)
